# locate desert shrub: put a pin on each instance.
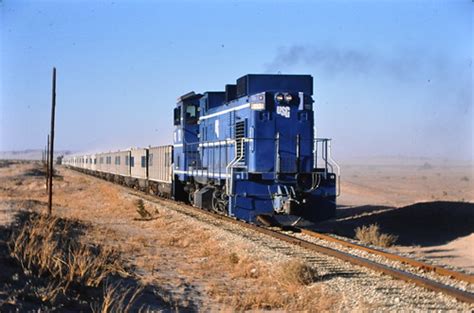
(144, 214)
(465, 178)
(296, 272)
(426, 166)
(371, 235)
(234, 258)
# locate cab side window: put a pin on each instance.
(177, 116)
(191, 114)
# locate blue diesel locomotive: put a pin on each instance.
(251, 151)
(248, 152)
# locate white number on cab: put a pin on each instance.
(283, 111)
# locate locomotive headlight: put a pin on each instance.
(288, 97)
(279, 97)
(258, 106)
(257, 102)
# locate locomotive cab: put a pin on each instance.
(186, 132)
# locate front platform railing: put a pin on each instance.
(222, 158)
(322, 159)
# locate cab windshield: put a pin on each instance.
(191, 114)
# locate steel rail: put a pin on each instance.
(402, 259)
(356, 260)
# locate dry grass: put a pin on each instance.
(145, 215)
(235, 279)
(246, 267)
(296, 272)
(275, 299)
(51, 291)
(50, 247)
(116, 298)
(255, 284)
(371, 235)
(46, 245)
(288, 286)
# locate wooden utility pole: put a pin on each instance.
(47, 165)
(51, 144)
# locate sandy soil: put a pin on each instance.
(191, 266)
(441, 228)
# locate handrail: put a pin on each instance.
(231, 163)
(338, 169)
(330, 165)
(230, 184)
(326, 155)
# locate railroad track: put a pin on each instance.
(403, 275)
(391, 256)
(353, 259)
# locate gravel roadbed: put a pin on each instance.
(356, 286)
(446, 280)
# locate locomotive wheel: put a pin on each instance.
(219, 202)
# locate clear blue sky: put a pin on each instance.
(391, 77)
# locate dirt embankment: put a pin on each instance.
(183, 264)
(47, 266)
(428, 205)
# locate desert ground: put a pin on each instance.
(180, 265)
(428, 205)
